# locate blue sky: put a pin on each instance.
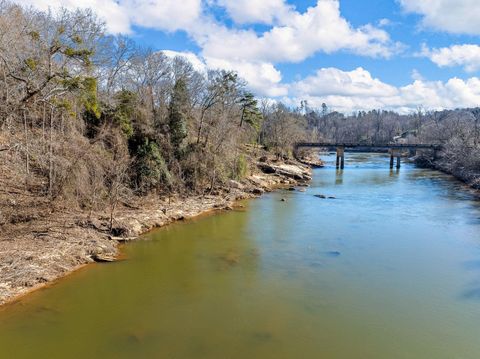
(351, 54)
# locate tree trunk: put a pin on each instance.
(27, 155)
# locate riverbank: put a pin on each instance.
(469, 177)
(38, 249)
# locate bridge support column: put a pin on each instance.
(391, 159)
(340, 157)
(398, 160)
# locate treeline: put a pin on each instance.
(91, 118)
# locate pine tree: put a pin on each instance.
(250, 112)
(177, 117)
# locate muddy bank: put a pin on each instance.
(38, 250)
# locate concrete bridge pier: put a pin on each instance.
(341, 157)
(393, 154)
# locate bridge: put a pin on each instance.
(395, 149)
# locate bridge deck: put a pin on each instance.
(365, 145)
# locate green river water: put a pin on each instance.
(388, 269)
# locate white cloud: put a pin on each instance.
(455, 16)
(467, 55)
(255, 11)
(335, 82)
(121, 15)
(197, 63)
(113, 13)
(262, 77)
(416, 75)
(358, 90)
(300, 35)
(384, 22)
(163, 14)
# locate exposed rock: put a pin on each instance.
(257, 191)
(312, 161)
(290, 171)
(322, 196)
(235, 184)
(283, 200)
(103, 258)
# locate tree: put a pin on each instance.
(178, 115)
(251, 114)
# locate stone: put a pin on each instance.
(235, 184)
(257, 191)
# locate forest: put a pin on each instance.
(91, 119)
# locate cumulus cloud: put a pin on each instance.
(467, 56)
(197, 63)
(300, 35)
(358, 90)
(335, 82)
(455, 16)
(262, 78)
(121, 15)
(254, 11)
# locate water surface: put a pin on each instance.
(388, 269)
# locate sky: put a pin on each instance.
(353, 55)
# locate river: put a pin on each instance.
(390, 268)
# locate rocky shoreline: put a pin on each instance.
(36, 252)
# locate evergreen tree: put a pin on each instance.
(250, 112)
(177, 115)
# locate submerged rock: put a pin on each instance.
(333, 254)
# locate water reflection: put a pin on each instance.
(339, 177)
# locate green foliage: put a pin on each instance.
(77, 39)
(127, 102)
(34, 35)
(251, 115)
(125, 124)
(31, 63)
(177, 115)
(241, 167)
(89, 96)
(151, 170)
